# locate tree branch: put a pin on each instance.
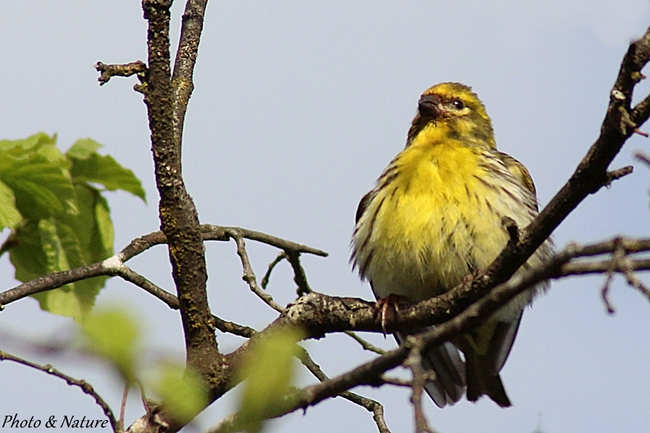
(249, 274)
(455, 312)
(106, 72)
(370, 405)
(82, 384)
(218, 233)
(414, 363)
(114, 265)
(591, 174)
(319, 314)
(178, 216)
(188, 48)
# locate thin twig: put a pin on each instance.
(414, 363)
(171, 300)
(602, 267)
(366, 345)
(380, 420)
(219, 233)
(396, 381)
(604, 291)
(632, 279)
(249, 274)
(82, 384)
(233, 328)
(125, 395)
(128, 274)
(319, 314)
(124, 70)
(109, 267)
(619, 173)
(299, 275)
(371, 405)
(267, 276)
(642, 157)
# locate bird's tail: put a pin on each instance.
(481, 381)
(486, 349)
(448, 385)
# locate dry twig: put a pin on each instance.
(414, 363)
(249, 274)
(81, 384)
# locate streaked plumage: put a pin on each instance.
(434, 217)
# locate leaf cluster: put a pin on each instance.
(57, 213)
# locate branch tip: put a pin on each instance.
(642, 157)
(618, 173)
(106, 72)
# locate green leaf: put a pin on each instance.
(59, 244)
(92, 227)
(27, 145)
(268, 369)
(104, 235)
(37, 144)
(55, 256)
(114, 334)
(72, 300)
(181, 391)
(63, 250)
(83, 148)
(42, 188)
(26, 253)
(9, 215)
(89, 166)
(60, 221)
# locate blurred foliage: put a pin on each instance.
(59, 218)
(181, 391)
(115, 335)
(268, 369)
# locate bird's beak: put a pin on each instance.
(429, 106)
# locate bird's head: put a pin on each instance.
(452, 111)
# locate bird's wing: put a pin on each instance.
(501, 344)
(519, 170)
(363, 204)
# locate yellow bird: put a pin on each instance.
(434, 218)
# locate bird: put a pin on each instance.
(437, 216)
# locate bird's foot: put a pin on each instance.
(471, 277)
(384, 307)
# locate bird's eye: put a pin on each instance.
(459, 104)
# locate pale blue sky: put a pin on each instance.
(298, 107)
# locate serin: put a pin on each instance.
(436, 217)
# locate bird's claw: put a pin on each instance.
(382, 308)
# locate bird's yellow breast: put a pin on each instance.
(437, 220)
